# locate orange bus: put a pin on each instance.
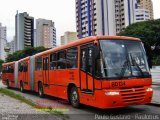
(8, 74)
(99, 71)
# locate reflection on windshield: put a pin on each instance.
(123, 58)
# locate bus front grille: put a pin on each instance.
(132, 95)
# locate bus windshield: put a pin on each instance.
(123, 59)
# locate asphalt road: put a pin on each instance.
(89, 113)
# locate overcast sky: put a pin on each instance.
(62, 12)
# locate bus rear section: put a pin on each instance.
(116, 74)
(8, 74)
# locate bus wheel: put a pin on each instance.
(74, 97)
(40, 90)
(21, 87)
(7, 84)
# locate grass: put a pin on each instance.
(9, 93)
(17, 96)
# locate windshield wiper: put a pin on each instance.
(124, 67)
(135, 63)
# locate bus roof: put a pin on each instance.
(8, 63)
(26, 58)
(85, 40)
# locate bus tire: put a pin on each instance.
(74, 97)
(21, 87)
(40, 90)
(7, 84)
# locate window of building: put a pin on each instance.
(72, 58)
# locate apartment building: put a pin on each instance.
(148, 5)
(103, 17)
(45, 33)
(68, 37)
(24, 29)
(3, 41)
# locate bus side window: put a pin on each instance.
(3, 69)
(61, 63)
(72, 58)
(20, 67)
(12, 69)
(25, 67)
(53, 61)
(38, 64)
(87, 58)
(90, 60)
(84, 59)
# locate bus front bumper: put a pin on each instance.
(123, 97)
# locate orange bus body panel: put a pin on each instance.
(7, 76)
(24, 76)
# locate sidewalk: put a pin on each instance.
(155, 72)
(13, 109)
(156, 95)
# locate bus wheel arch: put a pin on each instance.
(40, 89)
(7, 83)
(21, 86)
(73, 95)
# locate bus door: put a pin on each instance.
(25, 73)
(46, 71)
(86, 61)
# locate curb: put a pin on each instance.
(155, 83)
(154, 104)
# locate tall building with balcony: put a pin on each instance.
(3, 41)
(103, 17)
(68, 37)
(148, 5)
(45, 33)
(24, 28)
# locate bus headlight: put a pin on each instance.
(112, 93)
(149, 89)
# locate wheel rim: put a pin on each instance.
(74, 97)
(7, 84)
(40, 91)
(21, 87)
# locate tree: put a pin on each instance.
(29, 51)
(149, 33)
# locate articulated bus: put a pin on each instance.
(99, 71)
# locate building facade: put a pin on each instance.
(35, 38)
(24, 28)
(68, 37)
(103, 17)
(45, 33)
(141, 15)
(11, 46)
(148, 5)
(3, 41)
